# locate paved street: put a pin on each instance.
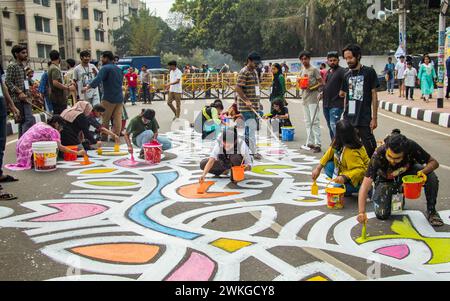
(110, 221)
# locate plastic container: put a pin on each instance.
(303, 82)
(335, 197)
(238, 173)
(44, 155)
(412, 187)
(70, 156)
(152, 152)
(287, 133)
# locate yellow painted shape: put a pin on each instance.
(230, 245)
(308, 201)
(439, 247)
(263, 169)
(112, 183)
(317, 278)
(98, 171)
(264, 144)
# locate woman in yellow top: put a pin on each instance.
(346, 160)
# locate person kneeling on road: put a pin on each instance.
(144, 129)
(229, 150)
(346, 160)
(399, 157)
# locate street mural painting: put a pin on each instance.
(147, 222)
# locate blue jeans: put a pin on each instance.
(350, 189)
(147, 137)
(48, 105)
(390, 84)
(132, 91)
(332, 115)
(26, 113)
(250, 122)
(3, 118)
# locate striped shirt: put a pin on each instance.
(249, 82)
(15, 80)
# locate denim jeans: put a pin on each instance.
(250, 123)
(147, 137)
(48, 105)
(390, 84)
(349, 188)
(332, 115)
(132, 91)
(28, 120)
(3, 118)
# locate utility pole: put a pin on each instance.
(305, 41)
(402, 24)
(441, 56)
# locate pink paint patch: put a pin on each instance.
(197, 268)
(71, 211)
(398, 252)
(276, 152)
(130, 164)
(15, 167)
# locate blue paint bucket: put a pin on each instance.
(287, 133)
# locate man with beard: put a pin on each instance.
(333, 103)
(361, 102)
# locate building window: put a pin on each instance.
(98, 15)
(62, 52)
(61, 32)
(6, 14)
(85, 13)
(99, 55)
(59, 13)
(42, 24)
(42, 2)
(44, 50)
(113, 1)
(22, 22)
(100, 36)
(86, 34)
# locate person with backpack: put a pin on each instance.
(208, 120)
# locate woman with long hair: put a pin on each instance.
(278, 84)
(427, 75)
(346, 160)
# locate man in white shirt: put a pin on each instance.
(83, 74)
(400, 68)
(175, 89)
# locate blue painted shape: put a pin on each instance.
(137, 212)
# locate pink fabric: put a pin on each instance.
(38, 132)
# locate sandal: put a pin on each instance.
(8, 179)
(434, 219)
(7, 197)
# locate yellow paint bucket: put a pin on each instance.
(335, 197)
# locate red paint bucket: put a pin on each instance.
(303, 82)
(70, 156)
(152, 152)
(412, 187)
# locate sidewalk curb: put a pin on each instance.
(438, 118)
(12, 128)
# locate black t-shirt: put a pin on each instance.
(359, 85)
(333, 85)
(380, 169)
(282, 112)
(71, 131)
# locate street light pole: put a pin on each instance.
(441, 56)
(402, 24)
(305, 41)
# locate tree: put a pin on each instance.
(145, 34)
(122, 39)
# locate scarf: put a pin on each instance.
(81, 107)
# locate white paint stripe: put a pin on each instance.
(443, 119)
(77, 233)
(444, 167)
(415, 125)
(290, 230)
(414, 113)
(403, 110)
(319, 231)
(427, 115)
(11, 142)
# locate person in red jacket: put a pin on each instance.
(131, 78)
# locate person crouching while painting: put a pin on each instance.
(346, 160)
(144, 129)
(397, 158)
(229, 150)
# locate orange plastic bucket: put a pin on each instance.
(412, 187)
(238, 173)
(69, 156)
(303, 82)
(335, 197)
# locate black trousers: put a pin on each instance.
(368, 139)
(447, 94)
(58, 108)
(220, 166)
(382, 196)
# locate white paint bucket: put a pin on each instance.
(44, 155)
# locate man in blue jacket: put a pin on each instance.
(112, 100)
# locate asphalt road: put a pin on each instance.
(284, 248)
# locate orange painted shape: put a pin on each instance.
(131, 253)
(191, 192)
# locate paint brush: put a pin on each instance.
(116, 148)
(364, 231)
(132, 158)
(315, 189)
(202, 186)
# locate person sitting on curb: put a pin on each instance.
(229, 150)
(397, 158)
(346, 160)
(144, 129)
